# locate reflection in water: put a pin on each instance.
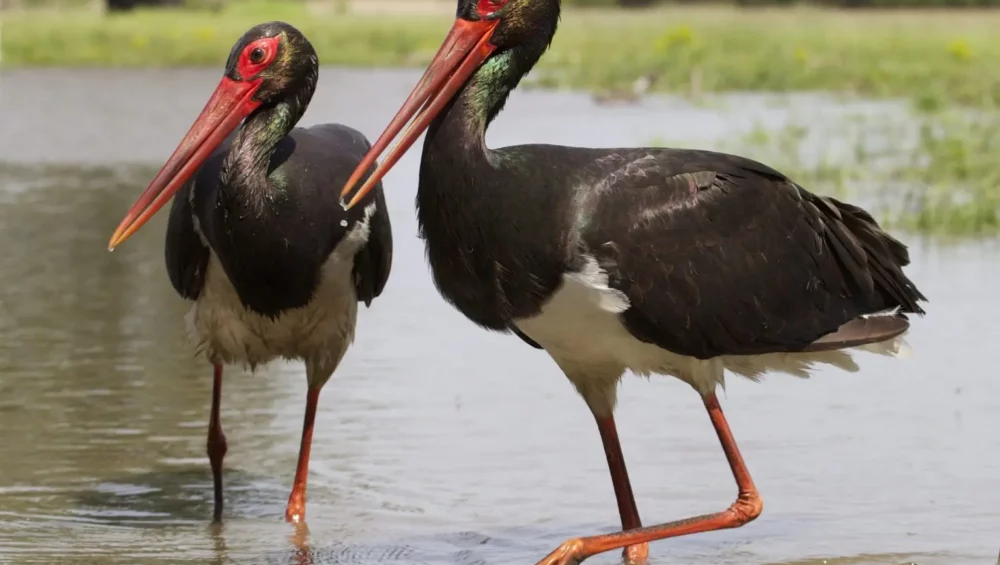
(84, 331)
(436, 443)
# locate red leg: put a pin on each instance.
(296, 509)
(217, 446)
(633, 554)
(748, 506)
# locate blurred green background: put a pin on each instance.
(938, 57)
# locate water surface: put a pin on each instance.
(436, 442)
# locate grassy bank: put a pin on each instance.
(935, 56)
(944, 179)
(934, 173)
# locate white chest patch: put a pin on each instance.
(581, 329)
(318, 333)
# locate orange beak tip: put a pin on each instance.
(229, 105)
(116, 238)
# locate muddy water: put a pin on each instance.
(436, 442)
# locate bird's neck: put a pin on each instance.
(462, 125)
(247, 167)
(457, 184)
(460, 190)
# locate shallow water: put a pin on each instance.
(436, 442)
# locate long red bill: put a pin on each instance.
(465, 48)
(231, 102)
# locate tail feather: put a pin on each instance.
(886, 256)
(874, 332)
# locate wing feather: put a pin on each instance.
(720, 255)
(185, 253)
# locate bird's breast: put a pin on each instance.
(227, 331)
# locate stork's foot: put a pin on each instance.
(295, 512)
(636, 554)
(747, 507)
(572, 552)
(569, 553)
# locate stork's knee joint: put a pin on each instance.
(217, 446)
(747, 507)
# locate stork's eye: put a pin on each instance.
(255, 57)
(489, 7)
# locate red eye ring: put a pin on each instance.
(489, 7)
(257, 56)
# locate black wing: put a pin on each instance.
(186, 255)
(374, 261)
(273, 241)
(721, 255)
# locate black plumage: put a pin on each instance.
(720, 255)
(655, 260)
(717, 254)
(273, 242)
(257, 237)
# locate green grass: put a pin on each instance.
(164, 38)
(939, 173)
(937, 57)
(946, 182)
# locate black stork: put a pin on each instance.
(655, 260)
(257, 236)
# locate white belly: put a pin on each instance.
(318, 333)
(581, 329)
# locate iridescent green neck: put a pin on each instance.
(466, 118)
(488, 89)
(246, 169)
